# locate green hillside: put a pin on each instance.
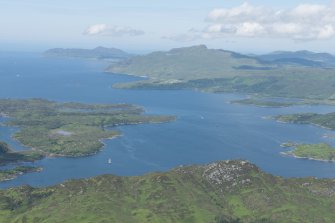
(189, 63)
(219, 192)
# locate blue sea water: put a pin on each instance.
(208, 127)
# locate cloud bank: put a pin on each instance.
(304, 22)
(110, 30)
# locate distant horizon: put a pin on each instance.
(247, 26)
(147, 51)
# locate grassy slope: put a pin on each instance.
(236, 189)
(223, 71)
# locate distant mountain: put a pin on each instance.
(220, 192)
(189, 63)
(96, 53)
(304, 58)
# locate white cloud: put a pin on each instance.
(250, 29)
(287, 28)
(110, 30)
(307, 10)
(303, 22)
(220, 28)
(186, 37)
(96, 29)
(244, 12)
(327, 32)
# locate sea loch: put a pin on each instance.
(208, 126)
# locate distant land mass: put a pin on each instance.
(302, 57)
(96, 53)
(220, 192)
(215, 70)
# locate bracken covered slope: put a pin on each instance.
(225, 191)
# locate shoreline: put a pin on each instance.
(289, 153)
(20, 173)
(301, 102)
(55, 155)
(3, 115)
(45, 154)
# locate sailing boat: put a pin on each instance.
(109, 161)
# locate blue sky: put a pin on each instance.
(146, 25)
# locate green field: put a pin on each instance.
(219, 192)
(70, 129)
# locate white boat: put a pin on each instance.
(109, 161)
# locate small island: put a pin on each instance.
(320, 152)
(68, 129)
(289, 144)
